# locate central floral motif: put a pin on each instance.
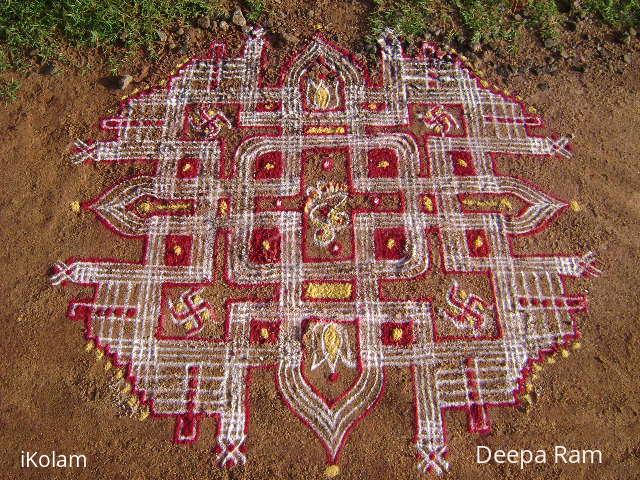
(326, 207)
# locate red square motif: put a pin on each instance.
(177, 251)
(397, 333)
(478, 243)
(383, 162)
(188, 168)
(264, 332)
(268, 165)
(389, 243)
(463, 163)
(265, 245)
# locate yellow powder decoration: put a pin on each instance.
(332, 291)
(321, 97)
(332, 471)
(332, 341)
(428, 204)
(223, 208)
(502, 204)
(396, 334)
(325, 130)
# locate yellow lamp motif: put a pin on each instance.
(321, 95)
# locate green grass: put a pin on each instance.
(619, 13)
(410, 18)
(493, 21)
(255, 9)
(486, 20)
(30, 28)
(472, 21)
(544, 17)
(42, 26)
(9, 90)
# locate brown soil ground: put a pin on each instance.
(54, 396)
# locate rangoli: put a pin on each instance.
(281, 222)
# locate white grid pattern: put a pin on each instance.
(161, 366)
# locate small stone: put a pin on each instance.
(277, 41)
(238, 18)
(289, 38)
(224, 26)
(625, 37)
(180, 31)
(48, 69)
(517, 17)
(204, 23)
(550, 43)
(627, 58)
(123, 81)
(564, 6)
(503, 71)
(162, 36)
(143, 73)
